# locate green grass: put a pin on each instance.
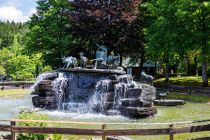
(10, 92)
(183, 81)
(189, 97)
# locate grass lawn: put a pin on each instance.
(183, 80)
(10, 92)
(189, 98)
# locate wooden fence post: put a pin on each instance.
(23, 87)
(168, 87)
(104, 135)
(188, 89)
(171, 131)
(2, 86)
(13, 137)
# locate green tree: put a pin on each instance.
(7, 32)
(18, 65)
(49, 31)
(162, 32)
(195, 18)
(179, 27)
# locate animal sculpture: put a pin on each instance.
(83, 60)
(113, 61)
(69, 62)
(146, 77)
(101, 55)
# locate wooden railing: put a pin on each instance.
(103, 132)
(184, 89)
(22, 84)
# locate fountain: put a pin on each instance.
(105, 91)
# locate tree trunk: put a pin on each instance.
(204, 50)
(188, 68)
(155, 74)
(204, 68)
(166, 73)
(167, 67)
(121, 59)
(141, 63)
(195, 66)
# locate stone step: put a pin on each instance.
(167, 102)
(138, 112)
(133, 93)
(134, 102)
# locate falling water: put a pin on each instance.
(59, 85)
(98, 100)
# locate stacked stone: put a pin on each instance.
(135, 105)
(43, 90)
(135, 101)
(106, 93)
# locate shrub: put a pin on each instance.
(32, 116)
(56, 137)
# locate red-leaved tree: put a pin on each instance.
(108, 22)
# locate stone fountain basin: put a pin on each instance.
(101, 71)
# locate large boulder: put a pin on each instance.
(44, 102)
(44, 85)
(50, 76)
(148, 93)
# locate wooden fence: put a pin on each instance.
(16, 84)
(184, 89)
(103, 132)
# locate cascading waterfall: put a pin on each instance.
(98, 100)
(119, 92)
(58, 88)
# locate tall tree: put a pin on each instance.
(105, 22)
(7, 32)
(162, 31)
(195, 15)
(180, 27)
(49, 31)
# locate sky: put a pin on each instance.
(17, 10)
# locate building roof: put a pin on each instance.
(148, 64)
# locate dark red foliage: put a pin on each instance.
(107, 21)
